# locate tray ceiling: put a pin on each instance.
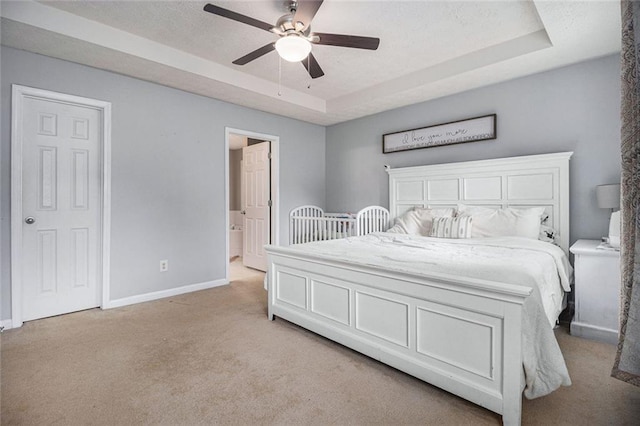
(428, 49)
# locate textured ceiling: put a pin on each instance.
(428, 49)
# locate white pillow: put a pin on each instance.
(452, 227)
(418, 220)
(488, 222)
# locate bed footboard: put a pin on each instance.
(463, 336)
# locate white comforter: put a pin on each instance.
(536, 264)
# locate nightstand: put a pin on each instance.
(597, 292)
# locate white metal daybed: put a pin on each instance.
(408, 319)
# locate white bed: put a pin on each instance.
(459, 330)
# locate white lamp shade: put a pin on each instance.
(608, 196)
(293, 48)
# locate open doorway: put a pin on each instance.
(252, 200)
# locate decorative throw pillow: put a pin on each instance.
(488, 222)
(418, 220)
(548, 234)
(452, 227)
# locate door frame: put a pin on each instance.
(18, 94)
(274, 141)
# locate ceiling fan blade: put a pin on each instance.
(306, 10)
(312, 66)
(358, 42)
(216, 10)
(255, 54)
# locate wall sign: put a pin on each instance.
(469, 130)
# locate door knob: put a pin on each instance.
(29, 220)
(243, 212)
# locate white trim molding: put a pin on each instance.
(68, 24)
(18, 94)
(275, 185)
(6, 324)
(148, 297)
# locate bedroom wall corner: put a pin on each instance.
(574, 108)
(168, 173)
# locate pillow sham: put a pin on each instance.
(418, 220)
(488, 222)
(452, 227)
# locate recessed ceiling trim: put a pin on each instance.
(454, 47)
(68, 24)
(472, 61)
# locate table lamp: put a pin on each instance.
(608, 197)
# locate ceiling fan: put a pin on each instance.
(294, 30)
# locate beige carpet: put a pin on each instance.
(213, 357)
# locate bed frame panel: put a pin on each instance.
(518, 182)
(407, 321)
(410, 328)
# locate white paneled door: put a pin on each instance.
(61, 207)
(256, 189)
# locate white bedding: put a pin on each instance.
(536, 264)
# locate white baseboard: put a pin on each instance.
(147, 297)
(593, 332)
(6, 324)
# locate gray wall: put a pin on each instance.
(168, 174)
(168, 157)
(576, 108)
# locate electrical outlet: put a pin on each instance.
(164, 265)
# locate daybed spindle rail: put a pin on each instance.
(311, 223)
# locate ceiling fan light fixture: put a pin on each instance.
(293, 48)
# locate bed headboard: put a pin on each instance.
(518, 182)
